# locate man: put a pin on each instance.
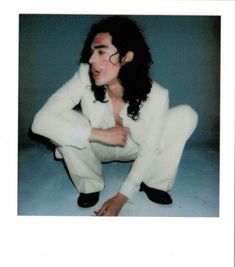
(124, 116)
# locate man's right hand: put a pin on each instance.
(112, 136)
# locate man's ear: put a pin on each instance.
(128, 57)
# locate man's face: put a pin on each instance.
(104, 60)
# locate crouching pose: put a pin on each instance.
(124, 116)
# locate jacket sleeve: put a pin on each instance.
(148, 148)
(52, 120)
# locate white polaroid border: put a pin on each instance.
(73, 241)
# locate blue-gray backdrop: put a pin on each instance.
(185, 50)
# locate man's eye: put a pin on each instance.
(101, 52)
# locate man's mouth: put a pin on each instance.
(95, 73)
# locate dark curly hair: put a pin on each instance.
(134, 76)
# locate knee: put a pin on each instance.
(189, 118)
(185, 118)
(189, 114)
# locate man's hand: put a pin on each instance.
(112, 206)
(112, 136)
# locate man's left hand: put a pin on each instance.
(112, 206)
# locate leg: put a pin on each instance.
(85, 172)
(181, 123)
(81, 161)
(83, 165)
(84, 169)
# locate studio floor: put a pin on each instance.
(45, 189)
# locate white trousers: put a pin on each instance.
(85, 165)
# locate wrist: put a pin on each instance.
(95, 134)
(121, 198)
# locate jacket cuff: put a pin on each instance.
(129, 188)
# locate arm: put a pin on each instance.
(148, 148)
(112, 136)
(112, 206)
(51, 121)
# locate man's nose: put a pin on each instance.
(92, 58)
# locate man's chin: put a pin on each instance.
(99, 83)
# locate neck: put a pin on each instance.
(115, 91)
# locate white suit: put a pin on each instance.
(155, 142)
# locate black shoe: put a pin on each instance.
(88, 200)
(156, 195)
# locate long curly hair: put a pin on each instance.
(134, 76)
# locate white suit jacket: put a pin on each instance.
(146, 131)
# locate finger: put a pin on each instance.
(123, 128)
(97, 212)
(101, 211)
(126, 129)
(124, 140)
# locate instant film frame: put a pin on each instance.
(186, 56)
(180, 241)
